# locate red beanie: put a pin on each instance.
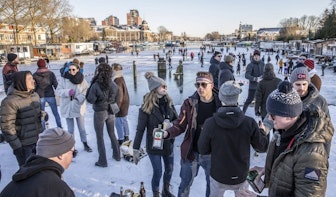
(41, 63)
(309, 63)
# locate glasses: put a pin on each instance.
(72, 69)
(204, 85)
(74, 153)
(164, 86)
(218, 56)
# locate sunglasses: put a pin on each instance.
(74, 153)
(204, 85)
(72, 69)
(164, 86)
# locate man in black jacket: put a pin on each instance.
(41, 175)
(227, 136)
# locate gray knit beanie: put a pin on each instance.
(54, 142)
(229, 93)
(153, 81)
(300, 73)
(284, 101)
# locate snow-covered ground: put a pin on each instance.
(88, 180)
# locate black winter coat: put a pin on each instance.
(227, 136)
(38, 177)
(148, 122)
(214, 70)
(46, 83)
(100, 99)
(225, 73)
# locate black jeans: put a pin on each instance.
(250, 97)
(99, 119)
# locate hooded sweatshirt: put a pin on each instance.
(38, 177)
(227, 136)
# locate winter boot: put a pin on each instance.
(156, 194)
(166, 192)
(87, 147)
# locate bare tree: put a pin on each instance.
(34, 15)
(14, 13)
(53, 11)
(76, 30)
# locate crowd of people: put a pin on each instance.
(295, 128)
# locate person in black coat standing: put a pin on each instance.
(265, 87)
(214, 67)
(227, 136)
(226, 70)
(157, 109)
(253, 73)
(41, 175)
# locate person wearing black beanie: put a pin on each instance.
(21, 116)
(9, 69)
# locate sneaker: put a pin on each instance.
(100, 165)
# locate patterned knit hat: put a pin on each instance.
(41, 63)
(284, 101)
(153, 81)
(300, 73)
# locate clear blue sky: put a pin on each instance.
(198, 17)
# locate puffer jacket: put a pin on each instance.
(214, 70)
(301, 170)
(38, 177)
(77, 106)
(46, 83)
(187, 122)
(100, 99)
(227, 136)
(254, 70)
(21, 118)
(147, 122)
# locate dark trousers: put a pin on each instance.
(100, 119)
(250, 97)
(26, 152)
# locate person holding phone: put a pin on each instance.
(297, 157)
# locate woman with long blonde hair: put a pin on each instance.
(156, 109)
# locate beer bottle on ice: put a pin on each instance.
(121, 191)
(142, 190)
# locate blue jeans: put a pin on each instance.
(53, 106)
(121, 125)
(80, 125)
(168, 162)
(189, 170)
